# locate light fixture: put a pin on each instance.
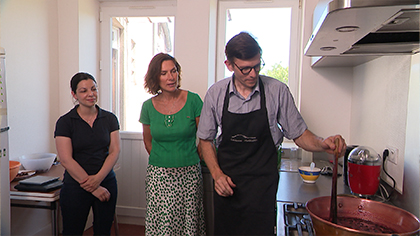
(346, 29)
(327, 48)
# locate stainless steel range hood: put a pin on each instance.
(366, 28)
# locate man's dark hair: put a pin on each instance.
(242, 46)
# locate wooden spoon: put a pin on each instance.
(333, 206)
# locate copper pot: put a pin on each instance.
(400, 221)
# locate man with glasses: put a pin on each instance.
(245, 118)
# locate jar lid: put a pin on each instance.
(364, 155)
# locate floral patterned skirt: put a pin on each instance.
(174, 199)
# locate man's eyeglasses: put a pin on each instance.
(248, 69)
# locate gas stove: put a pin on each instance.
(293, 219)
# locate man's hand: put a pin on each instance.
(223, 185)
(329, 146)
(312, 143)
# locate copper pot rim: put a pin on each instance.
(312, 214)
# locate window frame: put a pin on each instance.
(296, 41)
(108, 10)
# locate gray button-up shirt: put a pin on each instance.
(283, 117)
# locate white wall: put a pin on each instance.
(411, 197)
(67, 52)
(88, 26)
(325, 92)
(29, 36)
(42, 39)
(195, 36)
(379, 107)
(78, 50)
(385, 111)
(43, 42)
(28, 33)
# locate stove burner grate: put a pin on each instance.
(297, 220)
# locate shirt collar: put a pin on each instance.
(232, 88)
(74, 114)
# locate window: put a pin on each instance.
(134, 38)
(126, 53)
(274, 24)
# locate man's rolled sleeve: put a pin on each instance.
(207, 128)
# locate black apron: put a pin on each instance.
(248, 155)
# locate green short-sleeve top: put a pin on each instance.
(173, 137)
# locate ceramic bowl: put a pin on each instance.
(40, 162)
(13, 169)
(308, 175)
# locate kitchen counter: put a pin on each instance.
(292, 189)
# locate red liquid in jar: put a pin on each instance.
(363, 179)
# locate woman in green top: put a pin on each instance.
(174, 184)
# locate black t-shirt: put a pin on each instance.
(90, 144)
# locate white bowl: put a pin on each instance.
(40, 162)
(308, 175)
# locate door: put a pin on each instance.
(130, 37)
